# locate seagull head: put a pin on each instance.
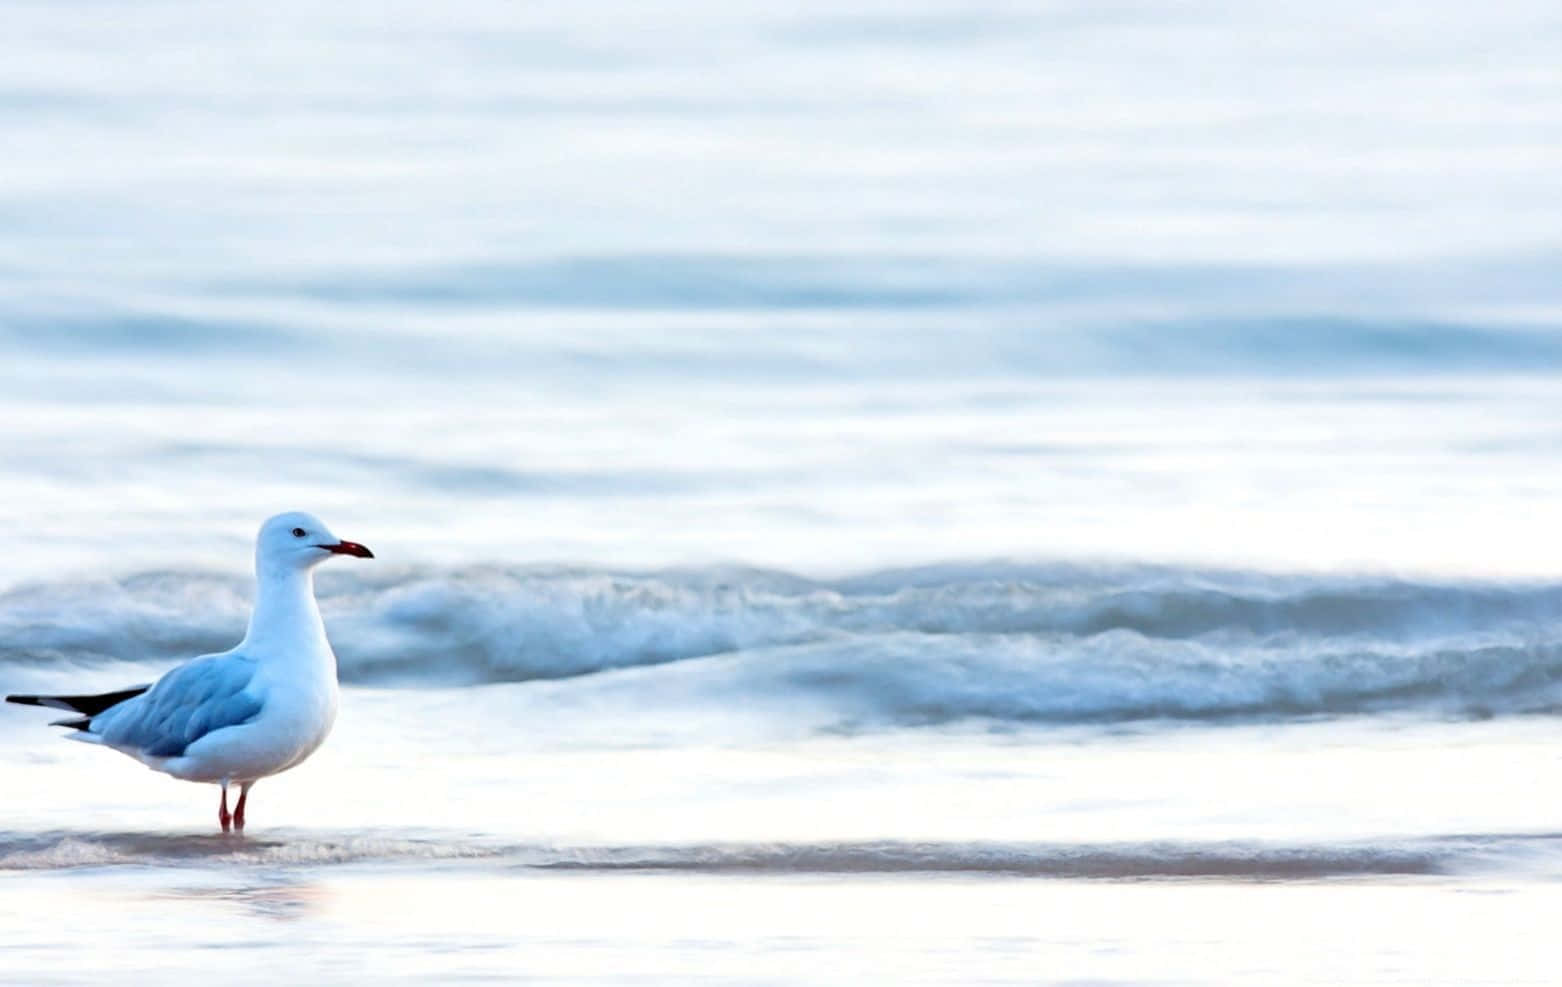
(296, 540)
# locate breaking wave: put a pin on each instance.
(1414, 857)
(1039, 643)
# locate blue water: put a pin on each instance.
(1069, 441)
(1004, 645)
(822, 288)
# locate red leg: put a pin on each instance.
(238, 810)
(222, 810)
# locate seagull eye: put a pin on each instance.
(298, 532)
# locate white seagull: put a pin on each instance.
(244, 714)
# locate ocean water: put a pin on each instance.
(888, 492)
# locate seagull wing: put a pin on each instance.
(188, 703)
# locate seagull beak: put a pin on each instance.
(348, 548)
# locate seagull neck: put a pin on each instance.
(286, 620)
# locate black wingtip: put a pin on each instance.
(75, 723)
(90, 705)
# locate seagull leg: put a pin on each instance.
(238, 810)
(222, 810)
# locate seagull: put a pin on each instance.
(246, 713)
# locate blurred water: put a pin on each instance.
(797, 441)
(820, 287)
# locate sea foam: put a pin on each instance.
(1005, 642)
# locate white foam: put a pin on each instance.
(1001, 642)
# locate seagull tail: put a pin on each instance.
(90, 706)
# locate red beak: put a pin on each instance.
(348, 548)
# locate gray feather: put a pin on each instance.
(190, 702)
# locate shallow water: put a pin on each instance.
(897, 492)
(1314, 852)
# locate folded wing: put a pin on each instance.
(193, 700)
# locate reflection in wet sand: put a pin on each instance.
(280, 898)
